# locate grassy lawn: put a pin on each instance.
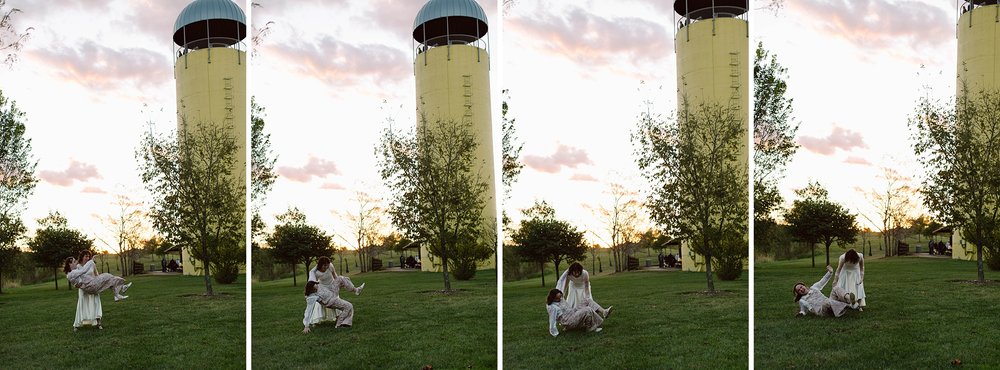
(658, 323)
(165, 323)
(401, 321)
(917, 317)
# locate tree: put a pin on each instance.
(892, 206)
(774, 140)
(699, 184)
(9, 230)
(295, 241)
(127, 225)
(814, 218)
(17, 176)
(11, 40)
(511, 152)
(367, 223)
(199, 201)
(55, 241)
(259, 33)
(959, 148)
(437, 191)
(542, 238)
(262, 159)
(621, 219)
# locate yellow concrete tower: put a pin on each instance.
(210, 70)
(712, 43)
(978, 69)
(452, 69)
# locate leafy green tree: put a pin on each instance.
(959, 148)
(438, 191)
(262, 159)
(199, 196)
(511, 152)
(295, 241)
(17, 178)
(814, 218)
(55, 241)
(774, 133)
(543, 238)
(699, 184)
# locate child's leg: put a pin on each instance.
(346, 284)
(346, 316)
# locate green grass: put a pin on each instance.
(657, 324)
(165, 323)
(917, 317)
(401, 321)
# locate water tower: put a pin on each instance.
(712, 42)
(978, 69)
(978, 44)
(210, 68)
(451, 63)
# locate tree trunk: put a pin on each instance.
(813, 253)
(444, 269)
(55, 277)
(542, 267)
(708, 272)
(208, 277)
(979, 263)
(556, 263)
(294, 276)
(827, 254)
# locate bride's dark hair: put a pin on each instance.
(852, 256)
(311, 288)
(576, 267)
(552, 296)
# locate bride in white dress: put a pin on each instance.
(575, 282)
(850, 276)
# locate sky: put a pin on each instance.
(88, 89)
(856, 69)
(579, 74)
(331, 75)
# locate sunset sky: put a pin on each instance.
(88, 88)
(579, 73)
(330, 74)
(855, 75)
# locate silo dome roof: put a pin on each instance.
(206, 23)
(203, 10)
(442, 22)
(435, 9)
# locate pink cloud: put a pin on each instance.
(102, 68)
(840, 138)
(314, 167)
(565, 156)
(879, 24)
(156, 17)
(857, 160)
(76, 171)
(343, 64)
(582, 177)
(93, 190)
(332, 186)
(580, 35)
